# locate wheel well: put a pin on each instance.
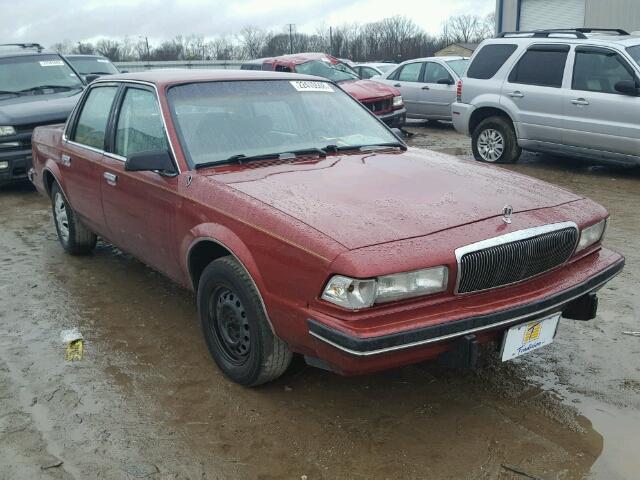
(201, 255)
(485, 112)
(48, 180)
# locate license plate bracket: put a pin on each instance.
(529, 336)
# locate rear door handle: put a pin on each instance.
(397, 85)
(111, 178)
(579, 101)
(516, 94)
(426, 87)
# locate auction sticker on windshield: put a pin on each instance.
(307, 86)
(526, 337)
(51, 63)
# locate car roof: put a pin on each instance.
(298, 58)
(6, 52)
(82, 55)
(178, 76)
(592, 39)
(376, 64)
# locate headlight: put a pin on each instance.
(6, 130)
(591, 235)
(354, 293)
(397, 101)
(4, 165)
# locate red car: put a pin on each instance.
(306, 226)
(383, 100)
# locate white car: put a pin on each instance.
(428, 85)
(370, 70)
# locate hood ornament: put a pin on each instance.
(506, 213)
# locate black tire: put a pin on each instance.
(74, 237)
(494, 141)
(235, 326)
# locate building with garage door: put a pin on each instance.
(516, 15)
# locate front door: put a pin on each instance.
(599, 117)
(81, 161)
(140, 207)
(437, 96)
(534, 93)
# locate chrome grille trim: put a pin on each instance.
(505, 244)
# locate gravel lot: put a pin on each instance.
(147, 402)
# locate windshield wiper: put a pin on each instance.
(8, 92)
(66, 88)
(364, 148)
(242, 158)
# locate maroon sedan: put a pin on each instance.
(306, 226)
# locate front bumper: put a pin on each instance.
(19, 161)
(395, 119)
(460, 116)
(450, 330)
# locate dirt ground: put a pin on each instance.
(147, 402)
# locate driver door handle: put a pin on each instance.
(426, 87)
(579, 101)
(397, 85)
(111, 178)
(516, 94)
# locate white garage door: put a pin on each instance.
(541, 14)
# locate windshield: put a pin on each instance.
(219, 120)
(36, 75)
(95, 66)
(386, 68)
(635, 53)
(337, 73)
(458, 66)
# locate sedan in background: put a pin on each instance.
(370, 70)
(91, 67)
(427, 85)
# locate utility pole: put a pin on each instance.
(291, 25)
(330, 40)
(146, 39)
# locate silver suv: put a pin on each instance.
(569, 92)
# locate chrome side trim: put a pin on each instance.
(457, 334)
(507, 238)
(210, 239)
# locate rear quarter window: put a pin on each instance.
(489, 59)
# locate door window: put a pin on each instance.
(489, 59)
(410, 72)
(599, 71)
(435, 72)
(542, 66)
(367, 72)
(92, 121)
(140, 127)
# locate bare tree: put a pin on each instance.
(462, 28)
(109, 49)
(253, 40)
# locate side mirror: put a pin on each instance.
(91, 77)
(627, 87)
(151, 161)
(445, 81)
(399, 134)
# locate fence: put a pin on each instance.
(143, 65)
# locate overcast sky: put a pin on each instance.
(51, 21)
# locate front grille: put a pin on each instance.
(380, 106)
(515, 261)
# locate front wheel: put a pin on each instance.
(494, 141)
(235, 325)
(74, 237)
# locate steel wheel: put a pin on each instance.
(62, 219)
(490, 145)
(229, 325)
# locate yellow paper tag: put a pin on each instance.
(74, 350)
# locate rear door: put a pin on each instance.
(436, 96)
(533, 93)
(599, 117)
(81, 161)
(140, 207)
(408, 79)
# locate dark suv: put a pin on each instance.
(37, 87)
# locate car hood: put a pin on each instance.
(362, 200)
(40, 109)
(368, 89)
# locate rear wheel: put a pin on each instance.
(235, 325)
(494, 141)
(74, 237)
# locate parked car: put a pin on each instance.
(427, 85)
(368, 70)
(571, 92)
(384, 101)
(256, 64)
(91, 67)
(37, 87)
(305, 226)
